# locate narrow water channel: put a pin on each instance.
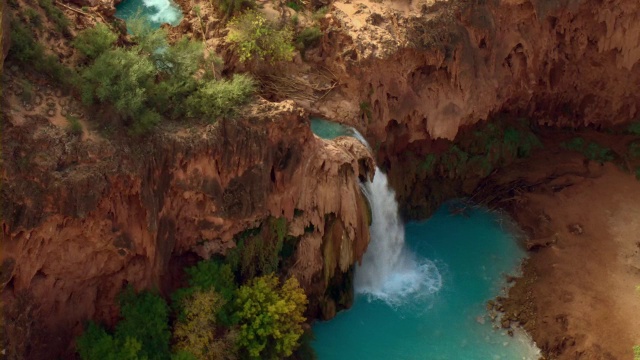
(422, 288)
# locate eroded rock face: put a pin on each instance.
(430, 69)
(412, 75)
(83, 218)
(5, 38)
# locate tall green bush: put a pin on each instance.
(145, 317)
(196, 332)
(215, 99)
(121, 77)
(96, 344)
(94, 41)
(271, 317)
(154, 80)
(256, 38)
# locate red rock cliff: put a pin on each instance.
(81, 218)
(424, 69)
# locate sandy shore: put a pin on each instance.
(577, 297)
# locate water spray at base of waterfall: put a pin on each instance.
(165, 11)
(389, 271)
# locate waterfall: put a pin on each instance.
(165, 11)
(390, 272)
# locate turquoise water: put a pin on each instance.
(471, 253)
(329, 130)
(156, 11)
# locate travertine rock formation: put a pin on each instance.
(421, 70)
(82, 218)
(413, 74)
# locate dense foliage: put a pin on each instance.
(97, 344)
(213, 317)
(256, 38)
(95, 41)
(482, 151)
(270, 317)
(195, 332)
(154, 80)
(143, 332)
(590, 149)
(26, 51)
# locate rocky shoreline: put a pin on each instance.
(576, 297)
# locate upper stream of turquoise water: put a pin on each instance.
(422, 288)
(156, 12)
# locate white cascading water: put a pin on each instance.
(166, 11)
(389, 271)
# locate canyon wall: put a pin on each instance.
(84, 216)
(412, 73)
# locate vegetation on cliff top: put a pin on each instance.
(138, 86)
(156, 79)
(256, 38)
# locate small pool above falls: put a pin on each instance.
(422, 287)
(157, 12)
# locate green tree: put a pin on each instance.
(145, 318)
(195, 332)
(94, 41)
(96, 344)
(149, 40)
(256, 38)
(215, 99)
(209, 275)
(177, 66)
(120, 77)
(271, 317)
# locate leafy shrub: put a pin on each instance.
(120, 77)
(428, 163)
(145, 318)
(634, 128)
(210, 275)
(591, 150)
(320, 13)
(27, 91)
(95, 41)
(146, 121)
(33, 17)
(634, 150)
(308, 37)
(365, 109)
(147, 38)
(576, 144)
(29, 53)
(519, 144)
(256, 38)
(74, 126)
(96, 344)
(56, 15)
(143, 333)
(258, 251)
(195, 332)
(294, 5)
(271, 317)
(220, 98)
